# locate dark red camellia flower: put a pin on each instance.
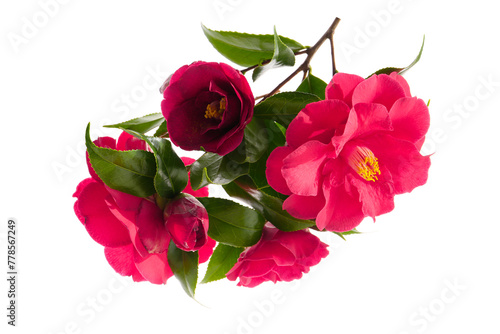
(349, 155)
(278, 256)
(130, 228)
(207, 105)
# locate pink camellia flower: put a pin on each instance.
(186, 220)
(130, 228)
(347, 156)
(207, 105)
(278, 256)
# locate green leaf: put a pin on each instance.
(401, 70)
(184, 265)
(246, 49)
(215, 169)
(171, 175)
(282, 56)
(162, 130)
(140, 124)
(351, 232)
(313, 85)
(270, 207)
(231, 223)
(131, 172)
(222, 260)
(283, 107)
(254, 143)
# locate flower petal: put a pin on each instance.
(302, 168)
(342, 87)
(100, 223)
(317, 121)
(409, 169)
(273, 169)
(410, 119)
(152, 231)
(154, 267)
(206, 251)
(304, 207)
(342, 211)
(121, 259)
(380, 89)
(402, 81)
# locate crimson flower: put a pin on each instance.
(349, 155)
(278, 256)
(207, 105)
(130, 228)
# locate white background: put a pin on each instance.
(430, 266)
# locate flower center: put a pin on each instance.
(364, 162)
(216, 109)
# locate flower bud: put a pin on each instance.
(186, 220)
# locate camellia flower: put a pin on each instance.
(278, 256)
(130, 228)
(207, 105)
(347, 156)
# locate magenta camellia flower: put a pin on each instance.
(186, 220)
(278, 256)
(130, 228)
(207, 105)
(349, 155)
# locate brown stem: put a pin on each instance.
(304, 67)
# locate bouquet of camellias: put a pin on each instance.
(320, 158)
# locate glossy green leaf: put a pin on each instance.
(282, 56)
(162, 130)
(254, 143)
(141, 124)
(401, 70)
(231, 223)
(270, 207)
(131, 172)
(212, 168)
(246, 49)
(184, 265)
(351, 232)
(171, 175)
(283, 107)
(221, 261)
(313, 85)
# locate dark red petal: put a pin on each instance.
(100, 223)
(342, 86)
(410, 119)
(317, 121)
(273, 169)
(380, 89)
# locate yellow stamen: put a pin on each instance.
(216, 109)
(364, 162)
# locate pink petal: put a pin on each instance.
(273, 169)
(342, 87)
(304, 207)
(302, 168)
(100, 223)
(125, 201)
(363, 120)
(402, 81)
(410, 119)
(121, 260)
(409, 169)
(377, 197)
(152, 231)
(100, 142)
(380, 89)
(342, 211)
(202, 192)
(154, 267)
(127, 142)
(206, 251)
(317, 121)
